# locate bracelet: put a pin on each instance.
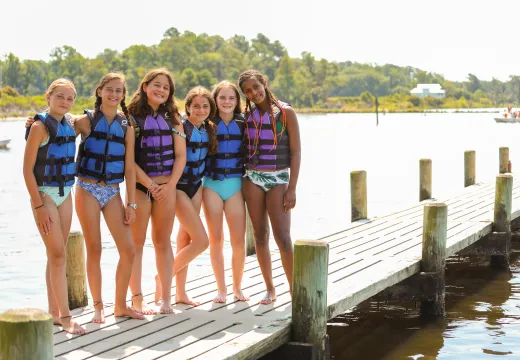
(38, 207)
(153, 184)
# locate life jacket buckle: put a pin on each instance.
(108, 158)
(109, 136)
(159, 168)
(226, 136)
(108, 176)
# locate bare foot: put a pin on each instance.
(184, 299)
(99, 315)
(166, 308)
(158, 290)
(221, 297)
(140, 306)
(127, 312)
(269, 297)
(71, 326)
(239, 295)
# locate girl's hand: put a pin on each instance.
(129, 215)
(162, 192)
(44, 220)
(29, 121)
(289, 199)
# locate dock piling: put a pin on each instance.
(469, 168)
(358, 195)
(250, 236)
(503, 160)
(76, 277)
(26, 334)
(433, 261)
(502, 218)
(309, 301)
(425, 179)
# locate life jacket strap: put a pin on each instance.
(100, 135)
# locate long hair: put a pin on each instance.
(139, 103)
(105, 80)
(209, 125)
(272, 100)
(226, 84)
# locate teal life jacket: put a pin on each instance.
(197, 141)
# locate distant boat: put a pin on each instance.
(4, 142)
(507, 120)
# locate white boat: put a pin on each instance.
(507, 120)
(4, 142)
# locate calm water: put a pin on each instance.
(333, 145)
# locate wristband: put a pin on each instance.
(38, 207)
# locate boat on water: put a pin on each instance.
(4, 142)
(509, 116)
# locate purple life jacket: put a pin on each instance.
(154, 151)
(264, 154)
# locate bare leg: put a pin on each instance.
(281, 224)
(192, 240)
(114, 214)
(162, 225)
(255, 200)
(57, 262)
(142, 216)
(88, 211)
(213, 211)
(235, 210)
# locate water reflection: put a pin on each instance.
(482, 320)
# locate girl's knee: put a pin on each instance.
(284, 243)
(94, 251)
(128, 253)
(57, 257)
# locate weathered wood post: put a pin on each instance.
(469, 168)
(76, 278)
(502, 219)
(433, 261)
(503, 160)
(309, 300)
(425, 179)
(250, 236)
(358, 195)
(26, 334)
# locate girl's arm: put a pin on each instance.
(293, 130)
(130, 175)
(81, 124)
(37, 134)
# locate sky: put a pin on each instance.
(448, 37)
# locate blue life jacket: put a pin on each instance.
(154, 148)
(55, 161)
(101, 154)
(197, 142)
(229, 160)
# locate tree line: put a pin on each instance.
(206, 59)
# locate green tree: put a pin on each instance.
(12, 76)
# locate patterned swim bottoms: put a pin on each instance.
(267, 180)
(102, 193)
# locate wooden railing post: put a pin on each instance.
(425, 179)
(503, 160)
(433, 261)
(469, 168)
(309, 300)
(358, 195)
(76, 277)
(250, 236)
(502, 218)
(26, 334)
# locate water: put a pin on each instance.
(332, 146)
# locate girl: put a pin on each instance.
(222, 190)
(106, 157)
(160, 156)
(48, 169)
(201, 140)
(273, 146)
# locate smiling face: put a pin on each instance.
(226, 101)
(112, 93)
(254, 90)
(198, 110)
(61, 100)
(157, 91)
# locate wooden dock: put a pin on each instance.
(371, 255)
(366, 258)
